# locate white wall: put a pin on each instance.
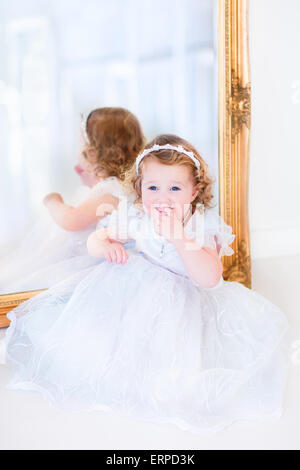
(274, 37)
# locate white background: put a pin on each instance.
(275, 132)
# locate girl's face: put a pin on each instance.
(85, 169)
(167, 186)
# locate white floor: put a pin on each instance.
(28, 422)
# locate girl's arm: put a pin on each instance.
(104, 243)
(202, 264)
(80, 217)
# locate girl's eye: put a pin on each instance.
(175, 188)
(152, 188)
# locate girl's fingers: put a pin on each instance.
(125, 256)
(118, 253)
(178, 212)
(113, 255)
(155, 216)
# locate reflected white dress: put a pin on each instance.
(142, 339)
(48, 253)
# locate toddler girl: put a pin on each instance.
(56, 247)
(157, 333)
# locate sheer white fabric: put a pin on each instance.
(48, 253)
(137, 225)
(143, 340)
(218, 235)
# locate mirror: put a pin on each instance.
(162, 60)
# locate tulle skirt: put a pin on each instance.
(48, 254)
(143, 341)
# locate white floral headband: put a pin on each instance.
(83, 127)
(156, 147)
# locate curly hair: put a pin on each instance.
(201, 178)
(115, 139)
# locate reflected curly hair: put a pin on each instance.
(115, 139)
(202, 179)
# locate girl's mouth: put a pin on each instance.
(163, 210)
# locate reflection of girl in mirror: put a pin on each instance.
(157, 333)
(56, 246)
(112, 139)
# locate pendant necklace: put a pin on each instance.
(162, 250)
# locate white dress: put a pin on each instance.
(142, 339)
(48, 253)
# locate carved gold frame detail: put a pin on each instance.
(234, 130)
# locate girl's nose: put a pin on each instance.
(164, 201)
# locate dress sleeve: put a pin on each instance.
(112, 186)
(217, 234)
(109, 185)
(125, 221)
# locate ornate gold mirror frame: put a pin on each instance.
(234, 130)
(234, 127)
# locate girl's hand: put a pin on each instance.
(115, 253)
(52, 197)
(168, 223)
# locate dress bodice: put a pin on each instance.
(109, 185)
(208, 230)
